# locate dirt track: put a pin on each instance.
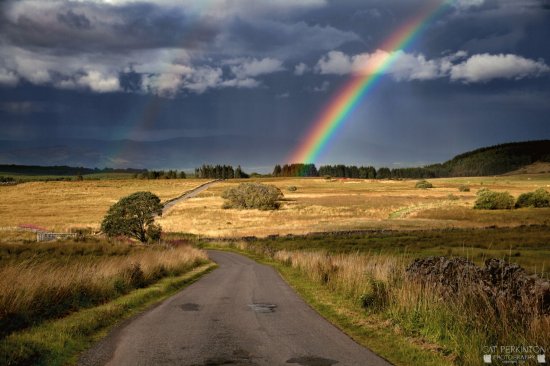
(190, 194)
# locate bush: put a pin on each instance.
(292, 188)
(464, 188)
(489, 200)
(252, 196)
(423, 184)
(539, 198)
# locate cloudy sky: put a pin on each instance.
(176, 83)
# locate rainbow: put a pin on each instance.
(151, 108)
(348, 97)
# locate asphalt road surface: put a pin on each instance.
(242, 313)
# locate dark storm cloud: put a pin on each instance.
(74, 20)
(497, 27)
(266, 37)
(89, 27)
(245, 82)
(174, 47)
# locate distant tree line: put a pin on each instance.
(220, 172)
(60, 170)
(348, 171)
(161, 174)
(339, 171)
(295, 170)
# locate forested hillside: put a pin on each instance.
(493, 160)
(498, 159)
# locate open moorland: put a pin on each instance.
(344, 244)
(310, 205)
(325, 205)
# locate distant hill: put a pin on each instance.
(492, 160)
(498, 159)
(60, 170)
(536, 168)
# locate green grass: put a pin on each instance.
(528, 246)
(372, 331)
(59, 342)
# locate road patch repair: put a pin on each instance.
(263, 308)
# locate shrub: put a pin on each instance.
(292, 188)
(423, 184)
(489, 200)
(252, 196)
(452, 197)
(539, 198)
(464, 188)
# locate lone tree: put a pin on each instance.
(134, 216)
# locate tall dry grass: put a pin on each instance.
(459, 325)
(34, 289)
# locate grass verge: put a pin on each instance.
(369, 330)
(59, 342)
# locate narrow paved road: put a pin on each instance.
(192, 193)
(242, 313)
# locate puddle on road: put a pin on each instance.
(312, 361)
(190, 307)
(263, 307)
(218, 361)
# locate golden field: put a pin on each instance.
(317, 205)
(59, 206)
(321, 205)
